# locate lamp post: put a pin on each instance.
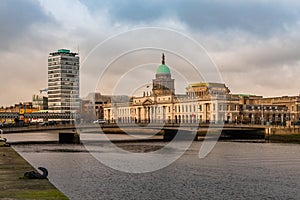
(293, 116)
(262, 112)
(173, 114)
(70, 109)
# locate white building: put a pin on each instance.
(203, 102)
(63, 81)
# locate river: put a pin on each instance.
(233, 170)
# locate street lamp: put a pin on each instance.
(262, 112)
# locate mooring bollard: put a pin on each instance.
(36, 175)
(2, 139)
(1, 136)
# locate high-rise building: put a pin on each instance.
(63, 81)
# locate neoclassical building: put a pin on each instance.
(283, 110)
(203, 102)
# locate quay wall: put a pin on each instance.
(282, 131)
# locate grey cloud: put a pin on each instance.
(265, 81)
(16, 17)
(249, 16)
(272, 53)
(239, 32)
(257, 17)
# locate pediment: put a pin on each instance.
(148, 102)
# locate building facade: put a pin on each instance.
(92, 106)
(20, 109)
(40, 102)
(283, 110)
(203, 102)
(63, 81)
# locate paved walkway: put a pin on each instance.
(31, 137)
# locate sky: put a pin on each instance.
(254, 44)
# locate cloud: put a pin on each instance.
(255, 43)
(257, 17)
(16, 18)
(260, 66)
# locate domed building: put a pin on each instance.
(202, 102)
(163, 84)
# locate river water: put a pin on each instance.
(232, 170)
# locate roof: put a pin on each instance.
(206, 85)
(63, 52)
(163, 69)
(246, 95)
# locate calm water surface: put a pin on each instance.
(231, 171)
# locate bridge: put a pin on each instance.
(153, 132)
(165, 131)
(241, 131)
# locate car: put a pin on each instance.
(49, 123)
(8, 124)
(99, 121)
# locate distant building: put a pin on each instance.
(283, 110)
(40, 102)
(92, 106)
(63, 81)
(21, 109)
(203, 102)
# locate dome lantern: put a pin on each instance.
(163, 68)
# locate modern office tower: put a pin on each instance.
(63, 81)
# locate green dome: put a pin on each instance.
(163, 69)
